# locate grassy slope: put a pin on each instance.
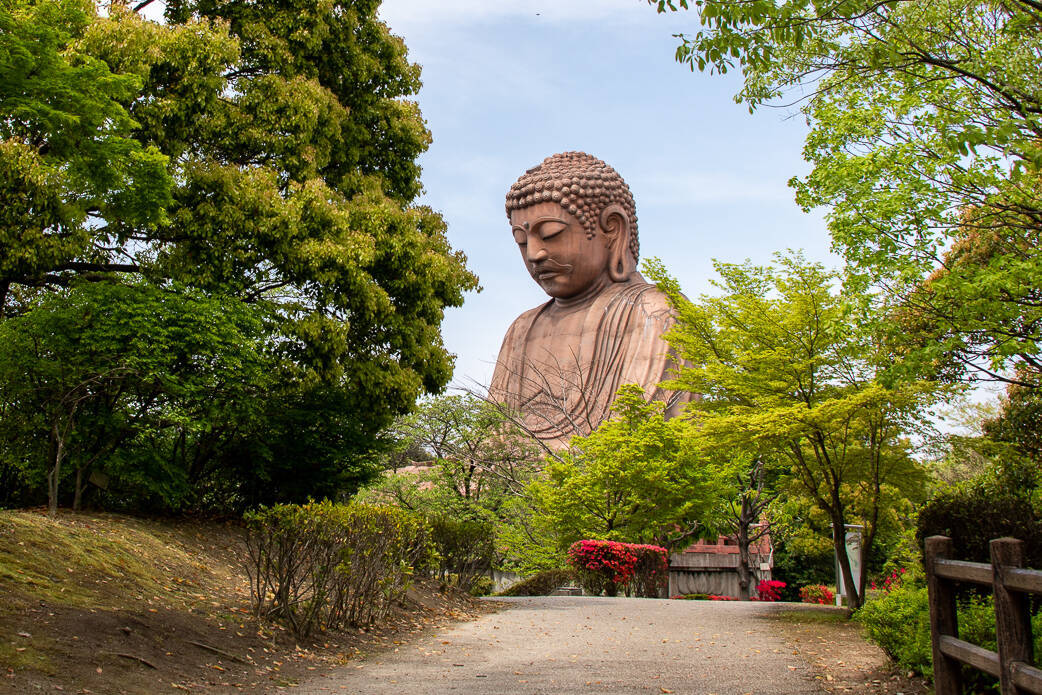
(110, 604)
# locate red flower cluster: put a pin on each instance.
(608, 566)
(817, 593)
(769, 590)
(892, 581)
(608, 558)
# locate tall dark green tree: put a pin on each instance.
(260, 152)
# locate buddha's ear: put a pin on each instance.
(615, 225)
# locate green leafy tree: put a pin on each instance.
(784, 364)
(262, 154)
(118, 358)
(474, 459)
(68, 156)
(926, 145)
(636, 479)
(752, 486)
(262, 151)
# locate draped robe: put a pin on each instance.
(563, 382)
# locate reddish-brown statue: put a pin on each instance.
(575, 223)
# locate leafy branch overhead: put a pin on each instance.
(926, 145)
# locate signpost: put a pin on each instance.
(853, 548)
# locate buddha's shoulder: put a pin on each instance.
(644, 296)
(524, 321)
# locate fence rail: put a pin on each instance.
(1010, 584)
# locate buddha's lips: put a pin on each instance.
(550, 267)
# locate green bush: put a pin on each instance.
(997, 503)
(899, 622)
(482, 586)
(328, 565)
(466, 550)
(541, 583)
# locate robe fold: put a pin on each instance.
(569, 390)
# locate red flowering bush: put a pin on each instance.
(651, 571)
(817, 593)
(769, 590)
(602, 566)
(891, 581)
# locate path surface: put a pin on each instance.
(566, 645)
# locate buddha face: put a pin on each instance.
(557, 252)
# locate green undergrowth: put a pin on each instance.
(88, 560)
(814, 615)
(541, 583)
(33, 655)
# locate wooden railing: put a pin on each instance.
(1011, 584)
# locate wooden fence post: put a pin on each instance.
(1012, 619)
(947, 676)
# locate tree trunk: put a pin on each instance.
(839, 545)
(77, 493)
(54, 474)
(744, 571)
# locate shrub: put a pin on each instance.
(997, 503)
(602, 566)
(465, 549)
(481, 586)
(817, 593)
(899, 622)
(651, 571)
(541, 583)
(327, 565)
(891, 581)
(769, 590)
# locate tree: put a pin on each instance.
(477, 460)
(67, 153)
(753, 488)
(260, 151)
(634, 479)
(787, 366)
(125, 358)
(926, 146)
(261, 154)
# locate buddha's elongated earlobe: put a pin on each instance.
(615, 226)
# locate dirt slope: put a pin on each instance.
(98, 603)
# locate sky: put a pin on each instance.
(507, 83)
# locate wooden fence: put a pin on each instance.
(1011, 584)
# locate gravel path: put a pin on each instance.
(565, 645)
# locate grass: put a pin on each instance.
(27, 653)
(85, 561)
(814, 614)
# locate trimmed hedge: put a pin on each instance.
(328, 565)
(608, 566)
(541, 583)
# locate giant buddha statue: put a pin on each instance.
(575, 223)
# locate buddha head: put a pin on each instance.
(575, 224)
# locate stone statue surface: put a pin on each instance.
(575, 223)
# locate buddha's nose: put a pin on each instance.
(536, 252)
